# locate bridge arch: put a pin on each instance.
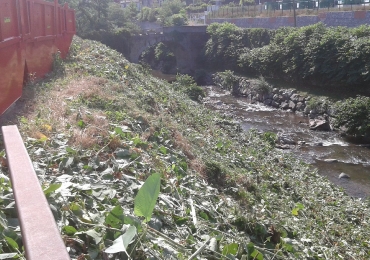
(186, 42)
(141, 43)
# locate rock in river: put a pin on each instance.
(322, 125)
(343, 176)
(331, 160)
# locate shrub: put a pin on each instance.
(227, 80)
(187, 85)
(262, 87)
(320, 55)
(178, 20)
(318, 105)
(354, 115)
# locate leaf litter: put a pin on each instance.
(222, 193)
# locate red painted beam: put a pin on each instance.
(40, 234)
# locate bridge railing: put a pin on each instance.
(40, 235)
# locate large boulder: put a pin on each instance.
(267, 102)
(285, 139)
(295, 97)
(292, 105)
(275, 104)
(300, 106)
(320, 125)
(284, 105)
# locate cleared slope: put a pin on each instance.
(99, 126)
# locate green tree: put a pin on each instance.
(90, 15)
(168, 9)
(117, 16)
(148, 14)
(132, 11)
(178, 20)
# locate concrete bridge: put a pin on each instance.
(186, 42)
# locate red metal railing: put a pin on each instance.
(31, 31)
(40, 235)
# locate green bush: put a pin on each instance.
(262, 87)
(196, 8)
(353, 115)
(178, 20)
(148, 14)
(228, 42)
(319, 55)
(227, 80)
(168, 9)
(186, 84)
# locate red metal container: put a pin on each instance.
(11, 55)
(66, 29)
(41, 46)
(31, 32)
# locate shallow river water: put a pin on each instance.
(315, 146)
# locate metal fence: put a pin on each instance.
(286, 8)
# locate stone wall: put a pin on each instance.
(347, 18)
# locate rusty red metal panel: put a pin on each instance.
(58, 24)
(9, 19)
(49, 20)
(24, 6)
(39, 56)
(11, 55)
(11, 79)
(41, 237)
(68, 27)
(70, 21)
(41, 47)
(38, 20)
(30, 33)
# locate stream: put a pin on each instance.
(313, 147)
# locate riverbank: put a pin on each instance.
(99, 126)
(327, 151)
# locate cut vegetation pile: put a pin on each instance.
(99, 127)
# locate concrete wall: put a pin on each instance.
(349, 19)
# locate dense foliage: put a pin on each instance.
(186, 84)
(172, 12)
(97, 15)
(227, 42)
(169, 13)
(160, 57)
(196, 8)
(325, 56)
(100, 126)
(106, 21)
(148, 14)
(353, 115)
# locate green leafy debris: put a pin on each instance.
(216, 182)
(122, 242)
(146, 198)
